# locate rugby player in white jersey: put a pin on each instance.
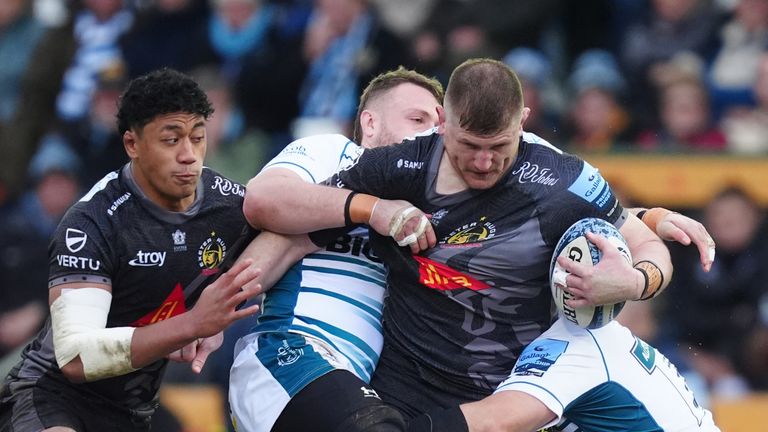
(307, 363)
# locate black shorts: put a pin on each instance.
(413, 388)
(335, 402)
(44, 405)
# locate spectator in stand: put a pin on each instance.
(344, 45)
(273, 70)
(232, 147)
(458, 29)
(671, 27)
(539, 91)
(26, 227)
(735, 67)
(166, 33)
(747, 128)
(685, 120)
(597, 120)
(61, 77)
(20, 32)
(710, 315)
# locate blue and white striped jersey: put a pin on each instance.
(335, 295)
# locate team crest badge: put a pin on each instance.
(211, 253)
(473, 232)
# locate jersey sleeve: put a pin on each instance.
(587, 195)
(389, 172)
(79, 251)
(557, 369)
(316, 158)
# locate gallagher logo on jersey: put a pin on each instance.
(211, 252)
(470, 233)
(441, 277)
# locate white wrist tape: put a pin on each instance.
(399, 221)
(79, 318)
(559, 275)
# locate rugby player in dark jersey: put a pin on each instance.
(459, 314)
(129, 266)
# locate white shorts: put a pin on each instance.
(269, 369)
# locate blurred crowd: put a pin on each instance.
(678, 76)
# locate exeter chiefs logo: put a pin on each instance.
(471, 233)
(211, 252)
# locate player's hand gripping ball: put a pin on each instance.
(575, 246)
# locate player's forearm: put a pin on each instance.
(156, 341)
(650, 256)
(291, 206)
(275, 254)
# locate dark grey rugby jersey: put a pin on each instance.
(115, 235)
(466, 308)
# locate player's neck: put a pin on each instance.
(449, 181)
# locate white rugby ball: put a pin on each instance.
(575, 246)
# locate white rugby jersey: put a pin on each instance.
(608, 380)
(336, 294)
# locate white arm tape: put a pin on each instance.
(399, 221)
(79, 318)
(558, 275)
(414, 236)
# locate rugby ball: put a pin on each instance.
(575, 246)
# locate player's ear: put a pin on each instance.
(524, 116)
(440, 120)
(129, 142)
(368, 124)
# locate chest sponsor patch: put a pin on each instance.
(173, 305)
(441, 277)
(537, 357)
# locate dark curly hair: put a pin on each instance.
(160, 92)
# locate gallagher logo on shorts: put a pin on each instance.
(75, 240)
(539, 356)
(211, 252)
(441, 277)
(473, 232)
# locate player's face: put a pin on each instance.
(481, 160)
(167, 158)
(404, 111)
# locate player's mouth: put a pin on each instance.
(186, 177)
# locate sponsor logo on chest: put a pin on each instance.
(148, 259)
(533, 173)
(226, 187)
(403, 163)
(439, 276)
